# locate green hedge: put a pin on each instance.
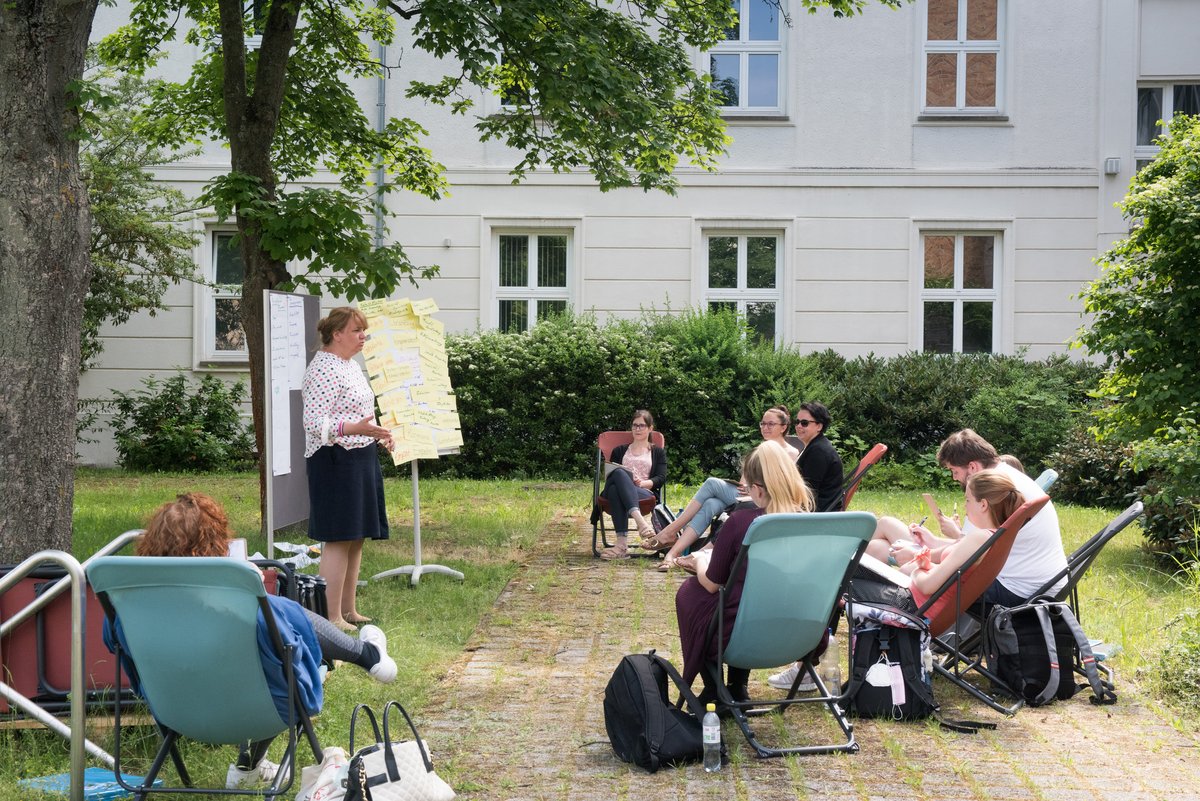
(532, 404)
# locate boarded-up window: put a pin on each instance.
(963, 56)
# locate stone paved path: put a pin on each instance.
(520, 716)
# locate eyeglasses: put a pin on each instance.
(805, 423)
(638, 426)
(770, 424)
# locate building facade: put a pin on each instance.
(940, 177)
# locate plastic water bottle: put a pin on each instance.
(712, 740)
(831, 666)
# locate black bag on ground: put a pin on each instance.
(891, 674)
(643, 726)
(1034, 649)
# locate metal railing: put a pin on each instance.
(75, 581)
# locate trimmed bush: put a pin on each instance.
(1091, 474)
(532, 404)
(167, 426)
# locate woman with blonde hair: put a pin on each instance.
(774, 485)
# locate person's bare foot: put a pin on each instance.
(344, 625)
(355, 617)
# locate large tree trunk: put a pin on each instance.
(44, 269)
(252, 121)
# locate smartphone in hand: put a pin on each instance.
(932, 504)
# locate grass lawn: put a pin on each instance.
(484, 529)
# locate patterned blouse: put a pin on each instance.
(335, 390)
(638, 465)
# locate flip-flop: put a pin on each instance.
(613, 553)
(687, 563)
(665, 565)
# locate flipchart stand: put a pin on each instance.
(415, 570)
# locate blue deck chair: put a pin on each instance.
(190, 627)
(797, 568)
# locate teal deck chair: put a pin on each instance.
(190, 627)
(797, 568)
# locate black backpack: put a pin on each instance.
(1034, 649)
(643, 726)
(877, 643)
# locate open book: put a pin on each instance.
(611, 466)
(886, 571)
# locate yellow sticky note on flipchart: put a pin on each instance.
(426, 306)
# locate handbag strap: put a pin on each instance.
(374, 724)
(389, 758)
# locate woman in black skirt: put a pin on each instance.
(345, 484)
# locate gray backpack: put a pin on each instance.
(1035, 649)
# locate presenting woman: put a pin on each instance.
(774, 485)
(345, 484)
(643, 469)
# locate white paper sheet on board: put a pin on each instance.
(281, 406)
(297, 337)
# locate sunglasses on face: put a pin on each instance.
(805, 423)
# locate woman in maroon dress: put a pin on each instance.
(771, 479)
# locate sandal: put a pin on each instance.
(686, 563)
(614, 553)
(659, 542)
(665, 565)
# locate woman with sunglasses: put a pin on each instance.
(643, 469)
(819, 463)
(715, 495)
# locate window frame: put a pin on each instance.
(962, 47)
(205, 298)
(1000, 295)
(492, 293)
(1143, 154)
(703, 295)
(744, 48)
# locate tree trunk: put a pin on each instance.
(44, 269)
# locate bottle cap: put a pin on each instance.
(712, 707)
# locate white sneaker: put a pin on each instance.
(784, 678)
(384, 671)
(263, 773)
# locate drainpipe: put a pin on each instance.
(380, 125)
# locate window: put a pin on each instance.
(223, 338)
(959, 294)
(1161, 101)
(743, 277)
(531, 270)
(747, 67)
(963, 57)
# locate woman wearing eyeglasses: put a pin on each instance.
(644, 471)
(819, 463)
(715, 495)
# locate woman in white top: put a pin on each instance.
(345, 484)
